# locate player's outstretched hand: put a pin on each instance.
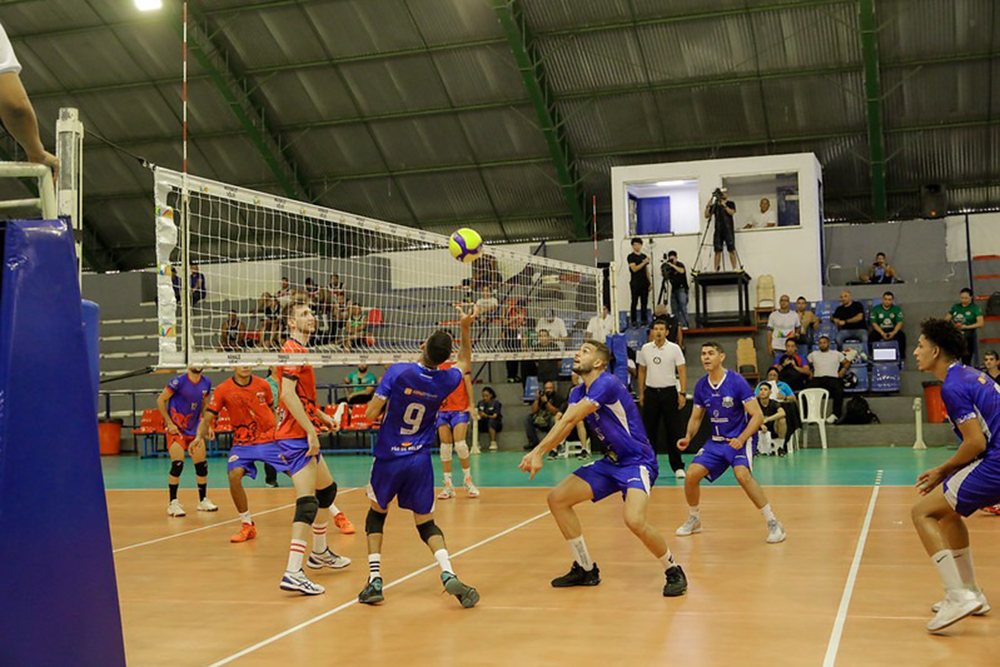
(531, 464)
(683, 443)
(735, 443)
(927, 481)
(313, 440)
(467, 317)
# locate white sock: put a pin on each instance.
(944, 561)
(768, 512)
(467, 475)
(334, 510)
(580, 553)
(374, 566)
(319, 537)
(245, 517)
(447, 479)
(963, 561)
(668, 560)
(444, 561)
(695, 512)
(295, 553)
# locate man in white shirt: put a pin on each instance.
(782, 324)
(556, 326)
(829, 367)
(763, 218)
(662, 389)
(601, 326)
(16, 112)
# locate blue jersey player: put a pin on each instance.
(970, 479)
(629, 467)
(402, 469)
(736, 418)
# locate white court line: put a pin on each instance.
(317, 619)
(209, 527)
(845, 600)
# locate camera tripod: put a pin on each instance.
(704, 236)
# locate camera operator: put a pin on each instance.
(675, 273)
(723, 209)
(543, 415)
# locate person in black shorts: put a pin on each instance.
(723, 209)
(640, 283)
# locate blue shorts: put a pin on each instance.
(293, 454)
(452, 418)
(246, 456)
(974, 486)
(408, 479)
(605, 478)
(718, 456)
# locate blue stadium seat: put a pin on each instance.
(530, 389)
(622, 320)
(567, 368)
(824, 309)
(636, 338)
(886, 367)
(861, 367)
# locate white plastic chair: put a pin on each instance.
(812, 410)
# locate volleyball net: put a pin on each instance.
(232, 261)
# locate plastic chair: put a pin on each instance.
(765, 291)
(151, 426)
(746, 359)
(812, 410)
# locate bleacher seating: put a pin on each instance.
(150, 428)
(860, 366)
(530, 389)
(886, 367)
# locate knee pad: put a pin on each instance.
(176, 468)
(429, 530)
(462, 449)
(306, 508)
(446, 451)
(326, 496)
(201, 469)
(374, 522)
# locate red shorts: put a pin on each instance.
(182, 440)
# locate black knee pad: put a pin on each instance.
(374, 522)
(201, 469)
(429, 530)
(176, 468)
(326, 496)
(306, 508)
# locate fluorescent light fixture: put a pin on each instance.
(148, 5)
(667, 184)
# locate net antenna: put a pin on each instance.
(376, 289)
(69, 184)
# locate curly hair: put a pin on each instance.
(945, 336)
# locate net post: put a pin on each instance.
(69, 184)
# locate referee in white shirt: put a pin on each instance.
(16, 112)
(661, 375)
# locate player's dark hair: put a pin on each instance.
(965, 290)
(636, 239)
(603, 351)
(800, 298)
(991, 353)
(715, 346)
(945, 336)
(296, 307)
(437, 349)
(889, 294)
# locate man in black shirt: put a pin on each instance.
(850, 320)
(639, 281)
(725, 234)
(675, 272)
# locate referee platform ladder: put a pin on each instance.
(986, 281)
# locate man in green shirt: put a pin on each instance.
(361, 385)
(968, 317)
(887, 323)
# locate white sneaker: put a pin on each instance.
(298, 581)
(207, 505)
(690, 527)
(775, 532)
(680, 474)
(447, 493)
(327, 559)
(985, 609)
(175, 509)
(493, 446)
(832, 419)
(471, 489)
(955, 606)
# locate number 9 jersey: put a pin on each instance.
(414, 394)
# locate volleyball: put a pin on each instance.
(466, 245)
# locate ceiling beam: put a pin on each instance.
(529, 63)
(873, 104)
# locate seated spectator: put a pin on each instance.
(780, 391)
(233, 336)
(556, 326)
(601, 326)
(198, 289)
(270, 321)
(829, 367)
(782, 324)
(490, 416)
(548, 369)
(355, 329)
(967, 316)
(487, 302)
(312, 291)
(793, 370)
(774, 415)
(513, 331)
(992, 362)
(880, 272)
(850, 320)
(361, 385)
(808, 323)
(336, 286)
(675, 333)
(763, 218)
(542, 415)
(887, 323)
(284, 295)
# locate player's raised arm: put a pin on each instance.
(298, 412)
(465, 346)
(532, 461)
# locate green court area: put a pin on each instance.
(811, 467)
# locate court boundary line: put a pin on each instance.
(655, 486)
(210, 526)
(351, 603)
(845, 601)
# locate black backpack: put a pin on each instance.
(858, 411)
(993, 304)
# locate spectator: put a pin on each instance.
(675, 334)
(968, 317)
(640, 284)
(360, 385)
(783, 324)
(284, 295)
(542, 415)
(556, 326)
(764, 218)
(829, 367)
(887, 323)
(198, 290)
(487, 303)
(513, 331)
(484, 273)
(850, 320)
(808, 323)
(312, 291)
(490, 416)
(486, 329)
(880, 272)
(780, 391)
(663, 392)
(548, 368)
(992, 362)
(601, 326)
(793, 370)
(16, 112)
(354, 327)
(723, 209)
(676, 273)
(578, 434)
(233, 336)
(336, 285)
(270, 321)
(775, 422)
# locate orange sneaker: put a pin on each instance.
(343, 523)
(248, 531)
(992, 509)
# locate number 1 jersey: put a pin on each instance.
(414, 394)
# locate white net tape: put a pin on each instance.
(377, 289)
